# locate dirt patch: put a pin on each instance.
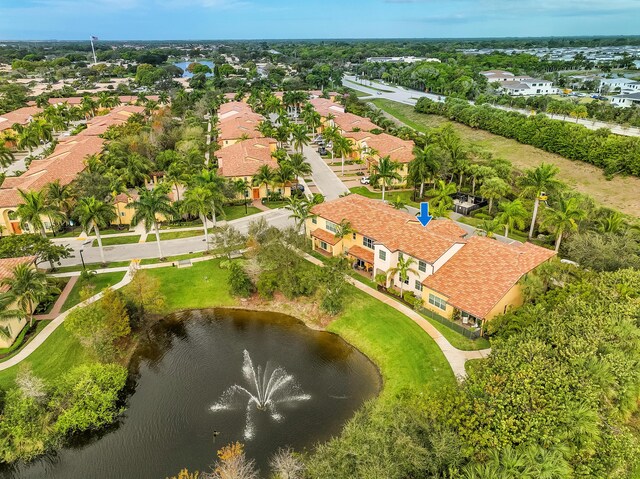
(620, 193)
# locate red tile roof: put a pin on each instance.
(325, 236)
(101, 123)
(478, 276)
(397, 230)
(7, 265)
(397, 149)
(21, 116)
(326, 107)
(246, 157)
(362, 253)
(351, 122)
(232, 108)
(236, 126)
(64, 164)
(76, 100)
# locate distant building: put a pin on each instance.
(624, 85)
(409, 59)
(522, 85)
(626, 100)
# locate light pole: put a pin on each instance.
(84, 268)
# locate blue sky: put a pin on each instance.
(257, 19)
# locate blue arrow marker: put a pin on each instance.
(424, 217)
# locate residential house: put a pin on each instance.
(21, 116)
(120, 203)
(237, 121)
(117, 116)
(475, 276)
(64, 164)
(626, 100)
(348, 122)
(622, 85)
(370, 148)
(522, 85)
(242, 160)
(11, 328)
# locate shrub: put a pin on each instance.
(239, 281)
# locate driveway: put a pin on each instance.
(324, 179)
(278, 218)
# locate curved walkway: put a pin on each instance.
(456, 357)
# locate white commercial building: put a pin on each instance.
(519, 85)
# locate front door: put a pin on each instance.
(256, 193)
(16, 228)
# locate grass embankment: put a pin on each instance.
(98, 282)
(116, 240)
(619, 193)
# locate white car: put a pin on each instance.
(364, 180)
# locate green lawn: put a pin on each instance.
(117, 240)
(168, 259)
(99, 282)
(203, 285)
(406, 196)
(56, 356)
(91, 266)
(458, 340)
(176, 235)
(235, 212)
(76, 232)
(405, 354)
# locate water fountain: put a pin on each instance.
(266, 389)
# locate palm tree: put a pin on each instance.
(213, 182)
(6, 314)
(494, 189)
(564, 218)
(330, 134)
(512, 214)
(299, 137)
(300, 165)
(136, 170)
(398, 203)
(26, 138)
(33, 207)
(59, 196)
(88, 106)
(176, 177)
(242, 186)
(95, 214)
(402, 269)
(300, 210)
(441, 193)
(42, 130)
(488, 228)
(197, 201)
(27, 287)
(343, 229)
(384, 173)
(425, 165)
(264, 176)
(284, 174)
(148, 207)
(6, 155)
(343, 147)
(612, 223)
(536, 181)
(163, 98)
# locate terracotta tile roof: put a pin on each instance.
(227, 110)
(349, 122)
(7, 265)
(478, 276)
(21, 116)
(326, 107)
(325, 236)
(362, 253)
(119, 115)
(246, 157)
(64, 164)
(397, 230)
(236, 126)
(397, 149)
(124, 197)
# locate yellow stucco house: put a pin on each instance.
(10, 328)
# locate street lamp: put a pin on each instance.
(246, 196)
(82, 259)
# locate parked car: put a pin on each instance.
(365, 180)
(322, 151)
(298, 187)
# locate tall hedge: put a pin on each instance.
(613, 153)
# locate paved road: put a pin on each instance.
(278, 218)
(326, 180)
(410, 97)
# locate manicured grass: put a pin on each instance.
(168, 259)
(458, 340)
(176, 235)
(275, 204)
(181, 224)
(99, 282)
(203, 285)
(20, 341)
(619, 193)
(406, 355)
(117, 240)
(91, 266)
(389, 195)
(76, 232)
(57, 355)
(235, 212)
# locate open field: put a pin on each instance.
(620, 193)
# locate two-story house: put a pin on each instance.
(370, 148)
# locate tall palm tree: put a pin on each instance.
(88, 106)
(148, 207)
(136, 170)
(384, 173)
(26, 138)
(264, 176)
(59, 196)
(536, 181)
(27, 287)
(42, 129)
(343, 147)
(6, 155)
(512, 214)
(176, 177)
(425, 165)
(402, 269)
(494, 189)
(213, 182)
(33, 206)
(441, 193)
(197, 201)
(284, 174)
(343, 229)
(564, 217)
(300, 165)
(330, 134)
(300, 210)
(95, 214)
(299, 137)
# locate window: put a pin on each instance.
(323, 245)
(406, 280)
(382, 255)
(331, 227)
(314, 220)
(367, 242)
(418, 285)
(122, 213)
(437, 302)
(354, 236)
(422, 266)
